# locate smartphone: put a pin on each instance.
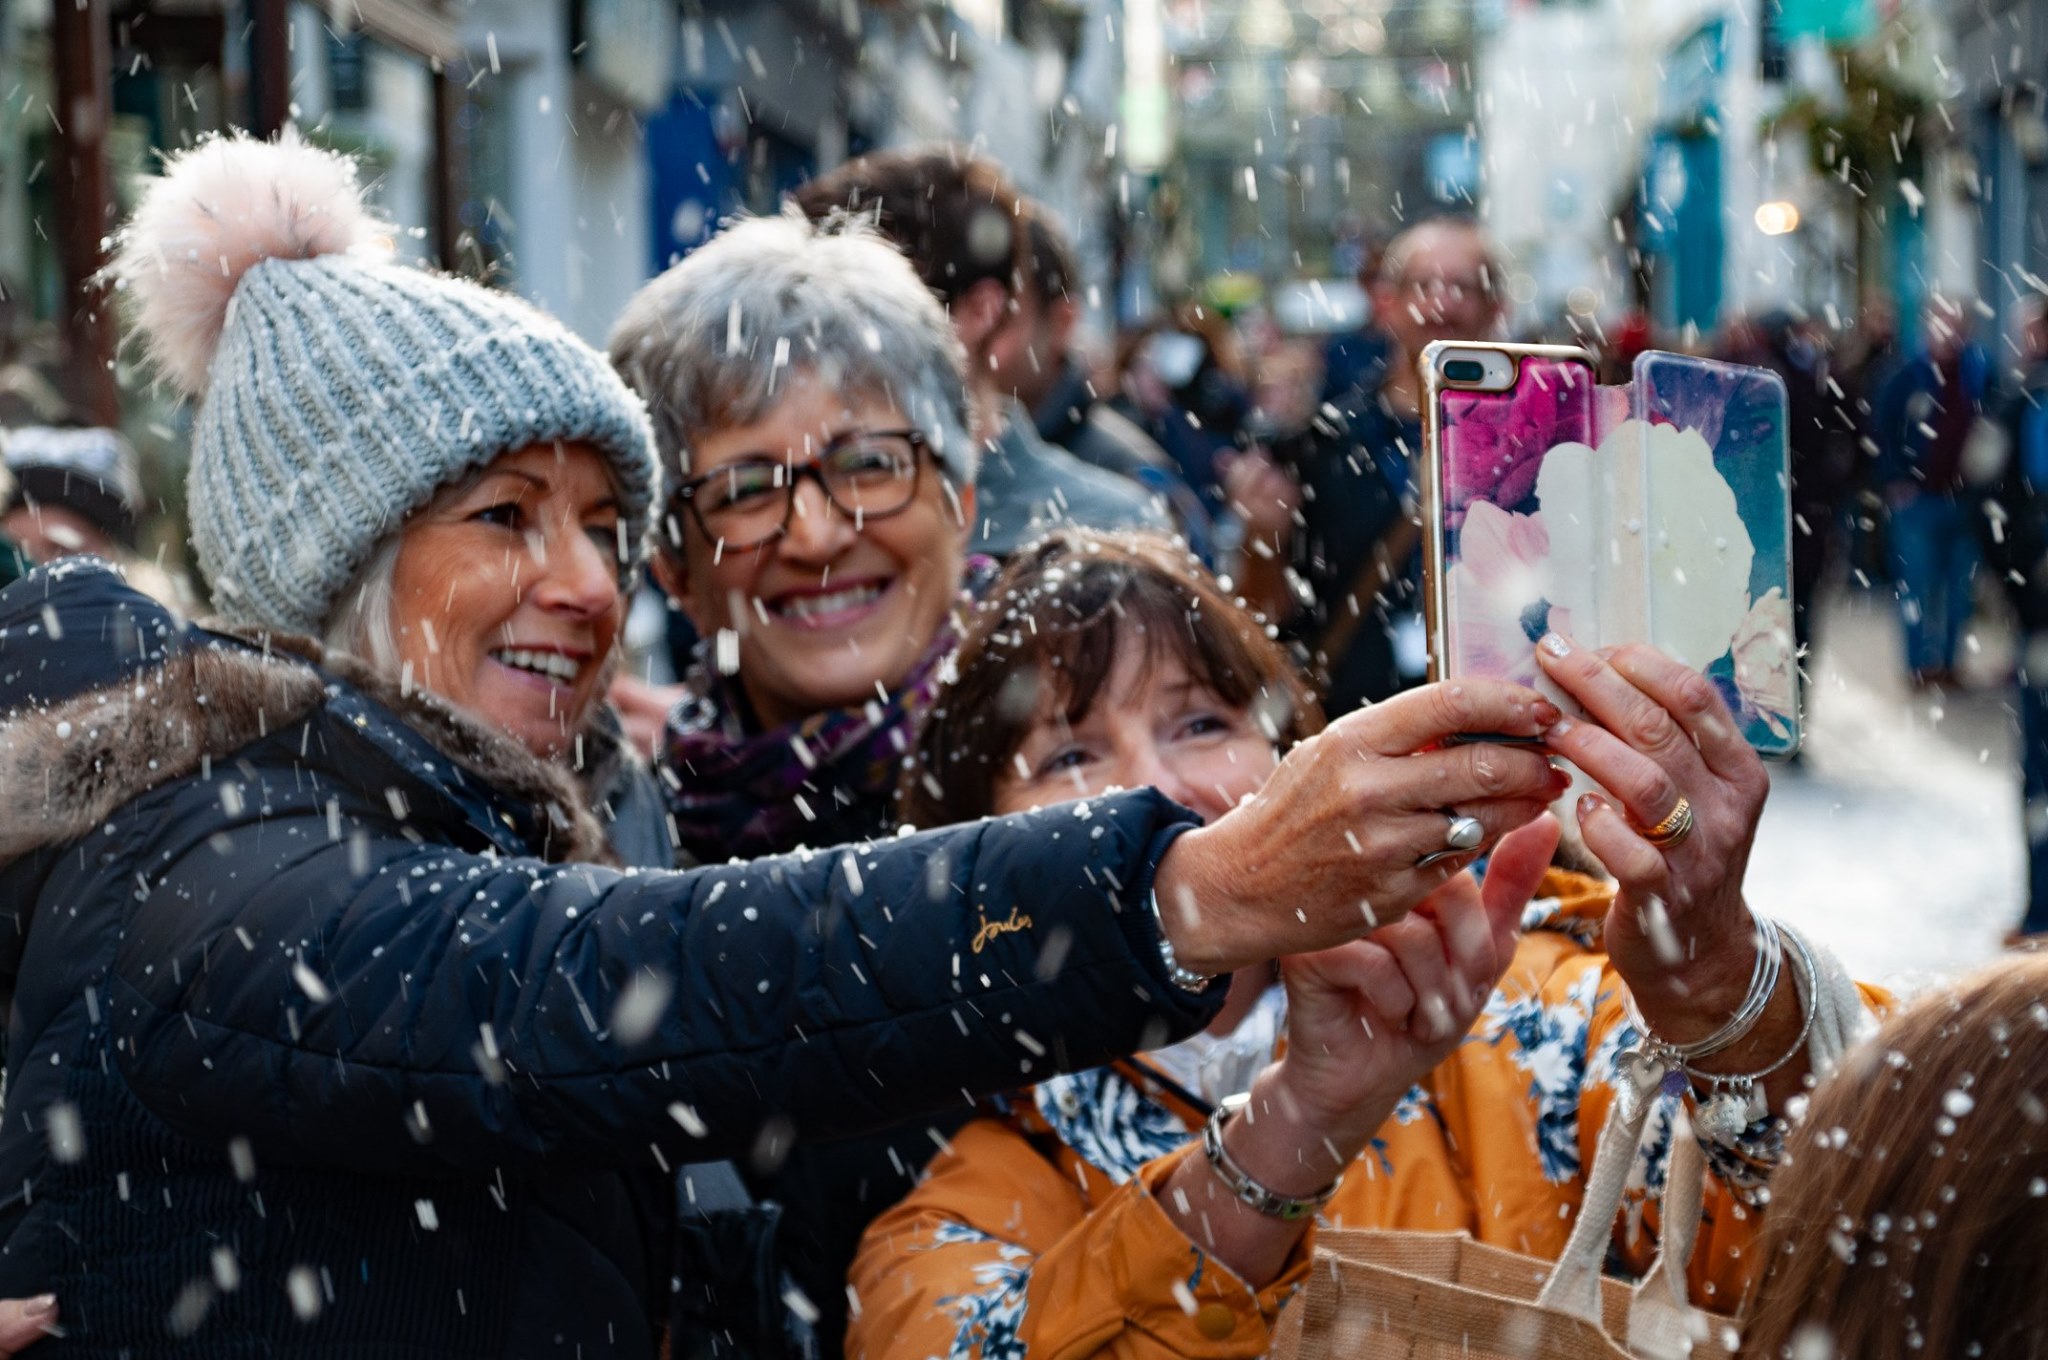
(1491, 415)
(1712, 442)
(1657, 511)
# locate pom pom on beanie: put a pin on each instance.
(219, 210)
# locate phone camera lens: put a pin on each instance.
(1464, 370)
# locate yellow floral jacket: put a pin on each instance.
(1036, 1234)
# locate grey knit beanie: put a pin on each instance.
(338, 388)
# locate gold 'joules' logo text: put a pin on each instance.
(990, 929)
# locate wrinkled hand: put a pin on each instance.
(1369, 1019)
(23, 1322)
(1679, 930)
(1260, 493)
(643, 710)
(1327, 850)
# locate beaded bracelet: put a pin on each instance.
(1187, 979)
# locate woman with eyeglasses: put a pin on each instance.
(821, 490)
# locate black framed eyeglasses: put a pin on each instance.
(865, 474)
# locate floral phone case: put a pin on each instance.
(1658, 511)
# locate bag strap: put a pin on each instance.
(1574, 1286)
(1661, 1320)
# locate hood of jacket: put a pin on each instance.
(104, 697)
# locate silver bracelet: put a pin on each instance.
(1763, 984)
(1187, 979)
(1736, 1100)
(1271, 1203)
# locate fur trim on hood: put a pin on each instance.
(67, 768)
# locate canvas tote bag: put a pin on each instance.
(1442, 1296)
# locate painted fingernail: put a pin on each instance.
(1555, 644)
(1589, 804)
(42, 1305)
(1560, 727)
(1547, 713)
(1437, 1022)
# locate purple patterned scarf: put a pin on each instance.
(736, 792)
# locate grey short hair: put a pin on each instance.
(711, 342)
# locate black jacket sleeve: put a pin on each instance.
(333, 990)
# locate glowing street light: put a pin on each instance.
(1777, 218)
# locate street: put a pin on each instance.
(1898, 840)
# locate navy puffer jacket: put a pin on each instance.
(319, 1042)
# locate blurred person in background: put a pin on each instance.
(1924, 414)
(1036, 360)
(961, 222)
(1908, 1218)
(1359, 548)
(1254, 501)
(2008, 468)
(78, 491)
(1350, 357)
(1865, 360)
(1821, 431)
(1183, 382)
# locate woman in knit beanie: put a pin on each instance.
(428, 474)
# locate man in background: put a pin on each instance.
(1035, 360)
(1924, 415)
(1360, 545)
(962, 224)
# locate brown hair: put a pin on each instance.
(954, 214)
(1060, 614)
(1050, 267)
(1909, 1217)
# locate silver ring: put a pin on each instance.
(1462, 837)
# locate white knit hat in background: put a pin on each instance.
(338, 388)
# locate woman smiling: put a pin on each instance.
(1451, 1073)
(520, 563)
(810, 407)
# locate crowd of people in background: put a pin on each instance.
(926, 562)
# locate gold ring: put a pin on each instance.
(1675, 827)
